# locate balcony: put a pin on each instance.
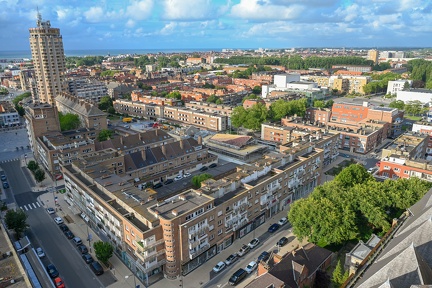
(147, 246)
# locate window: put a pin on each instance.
(220, 222)
(406, 172)
(220, 231)
(211, 237)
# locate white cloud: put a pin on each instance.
(350, 13)
(140, 10)
(130, 23)
(168, 29)
(188, 9)
(265, 10)
(94, 14)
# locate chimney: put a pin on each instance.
(163, 147)
(181, 144)
(121, 140)
(143, 154)
(199, 140)
(156, 132)
(140, 136)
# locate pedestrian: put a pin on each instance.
(16, 133)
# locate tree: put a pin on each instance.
(111, 110)
(398, 104)
(39, 175)
(69, 121)
(250, 96)
(319, 104)
(257, 90)
(352, 175)
(406, 85)
(337, 276)
(218, 101)
(4, 91)
(16, 220)
(32, 166)
(103, 250)
(329, 104)
(174, 95)
(238, 116)
(212, 99)
(105, 103)
(104, 135)
(197, 179)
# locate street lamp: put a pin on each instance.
(25, 158)
(89, 238)
(127, 276)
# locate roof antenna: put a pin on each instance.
(39, 16)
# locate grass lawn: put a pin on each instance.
(414, 118)
(113, 117)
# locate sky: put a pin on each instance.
(186, 24)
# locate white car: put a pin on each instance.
(283, 221)
(243, 250)
(371, 170)
(251, 267)
(219, 267)
(58, 220)
(40, 252)
(187, 174)
(50, 210)
(178, 177)
(252, 244)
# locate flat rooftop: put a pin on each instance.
(180, 204)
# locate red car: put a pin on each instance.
(59, 283)
(378, 163)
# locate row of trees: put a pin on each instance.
(75, 61)
(17, 101)
(379, 83)
(296, 61)
(323, 104)
(352, 206)
(214, 99)
(251, 118)
(412, 108)
(38, 173)
(421, 70)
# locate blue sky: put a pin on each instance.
(182, 24)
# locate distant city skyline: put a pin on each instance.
(210, 24)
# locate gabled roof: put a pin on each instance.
(79, 106)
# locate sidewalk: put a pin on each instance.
(78, 226)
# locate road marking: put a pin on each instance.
(25, 207)
(38, 204)
(34, 205)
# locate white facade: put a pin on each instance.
(422, 95)
(398, 85)
(288, 82)
(9, 119)
(282, 80)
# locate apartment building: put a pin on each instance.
(138, 96)
(9, 117)
(177, 234)
(318, 115)
(398, 85)
(358, 137)
(373, 55)
(340, 84)
(139, 109)
(220, 109)
(355, 83)
(354, 68)
(90, 116)
(46, 46)
(88, 89)
(322, 81)
(40, 119)
(205, 120)
(321, 138)
(406, 157)
(423, 127)
(422, 95)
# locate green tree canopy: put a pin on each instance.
(39, 175)
(212, 99)
(17, 221)
(398, 104)
(250, 96)
(197, 179)
(69, 121)
(104, 135)
(32, 165)
(103, 250)
(353, 175)
(4, 91)
(105, 102)
(257, 90)
(174, 95)
(319, 104)
(282, 108)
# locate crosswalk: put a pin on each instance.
(31, 206)
(9, 160)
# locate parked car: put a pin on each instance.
(50, 210)
(237, 277)
(40, 252)
(96, 267)
(77, 241)
(52, 271)
(169, 181)
(157, 185)
(59, 282)
(187, 174)
(87, 258)
(213, 165)
(282, 242)
(219, 267)
(231, 259)
(63, 227)
(58, 220)
(204, 168)
(252, 244)
(3, 177)
(243, 250)
(251, 267)
(83, 249)
(178, 178)
(371, 170)
(5, 185)
(69, 234)
(283, 221)
(273, 228)
(264, 256)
